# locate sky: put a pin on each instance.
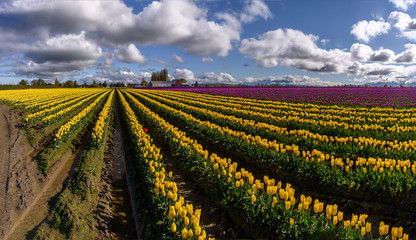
(290, 42)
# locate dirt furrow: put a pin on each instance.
(123, 224)
(26, 224)
(4, 160)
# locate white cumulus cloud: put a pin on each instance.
(130, 55)
(366, 30)
(403, 4)
(186, 74)
(293, 48)
(405, 24)
(254, 9)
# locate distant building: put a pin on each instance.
(160, 84)
(176, 83)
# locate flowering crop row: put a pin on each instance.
(386, 97)
(358, 142)
(288, 117)
(309, 142)
(179, 219)
(266, 203)
(61, 108)
(31, 98)
(377, 175)
(78, 119)
(340, 114)
(102, 122)
(54, 99)
(68, 110)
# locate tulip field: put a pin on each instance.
(284, 163)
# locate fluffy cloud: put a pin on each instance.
(293, 48)
(130, 55)
(365, 31)
(207, 60)
(117, 75)
(64, 48)
(184, 73)
(60, 55)
(403, 4)
(405, 24)
(178, 23)
(363, 52)
(51, 69)
(290, 80)
(211, 77)
(253, 9)
(408, 56)
(177, 59)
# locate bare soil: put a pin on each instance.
(26, 195)
(123, 225)
(20, 178)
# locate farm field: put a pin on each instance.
(200, 163)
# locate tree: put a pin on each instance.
(84, 85)
(155, 76)
(76, 84)
(94, 84)
(182, 80)
(23, 82)
(69, 83)
(144, 83)
(164, 76)
(196, 84)
(56, 82)
(105, 84)
(40, 82)
(34, 83)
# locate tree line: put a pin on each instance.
(67, 84)
(160, 76)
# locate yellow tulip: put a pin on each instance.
(184, 233)
(347, 224)
(363, 231)
(287, 205)
(173, 228)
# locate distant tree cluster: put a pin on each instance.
(67, 84)
(119, 84)
(160, 76)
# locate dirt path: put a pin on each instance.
(38, 210)
(4, 159)
(19, 175)
(123, 224)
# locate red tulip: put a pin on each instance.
(145, 130)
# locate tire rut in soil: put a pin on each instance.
(123, 224)
(304, 185)
(40, 207)
(38, 211)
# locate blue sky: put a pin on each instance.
(322, 42)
